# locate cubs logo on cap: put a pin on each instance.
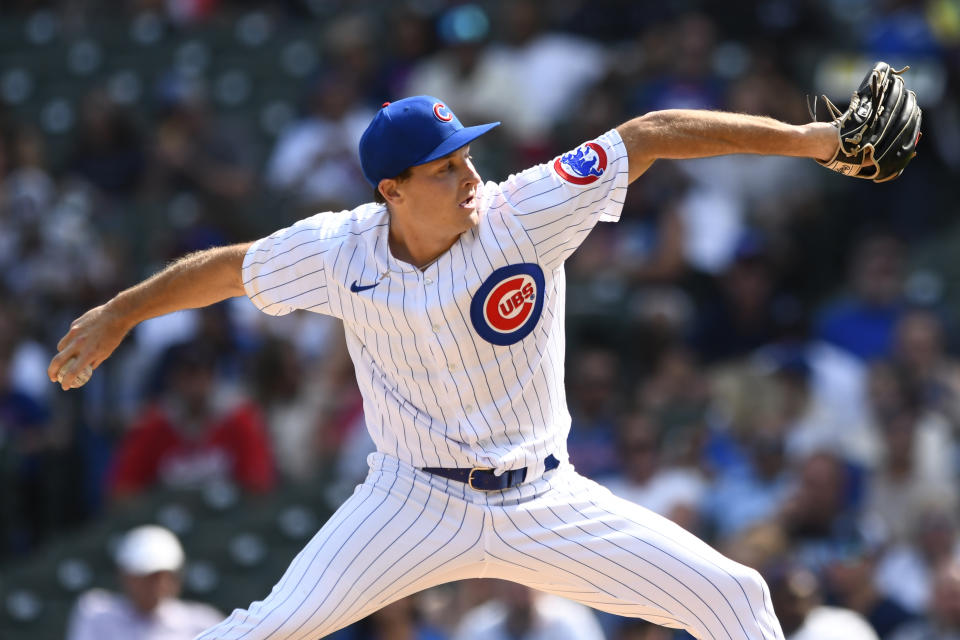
(443, 114)
(583, 165)
(508, 304)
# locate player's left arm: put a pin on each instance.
(691, 133)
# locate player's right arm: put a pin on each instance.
(196, 280)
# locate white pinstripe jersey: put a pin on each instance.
(460, 364)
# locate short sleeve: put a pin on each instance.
(286, 270)
(559, 202)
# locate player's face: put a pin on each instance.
(443, 194)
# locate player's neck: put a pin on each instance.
(415, 245)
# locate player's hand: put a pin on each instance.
(91, 339)
(878, 133)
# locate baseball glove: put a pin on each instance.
(879, 130)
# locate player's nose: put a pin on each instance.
(471, 177)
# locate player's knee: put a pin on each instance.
(762, 620)
(758, 585)
(750, 581)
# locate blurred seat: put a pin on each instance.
(41, 29)
(12, 37)
(254, 29)
(33, 616)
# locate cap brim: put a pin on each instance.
(459, 139)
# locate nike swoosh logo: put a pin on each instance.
(356, 288)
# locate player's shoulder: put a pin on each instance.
(322, 231)
(338, 224)
(585, 166)
(318, 235)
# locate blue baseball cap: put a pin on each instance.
(409, 132)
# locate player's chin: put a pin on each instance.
(469, 217)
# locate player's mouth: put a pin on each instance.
(469, 202)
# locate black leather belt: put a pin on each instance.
(483, 478)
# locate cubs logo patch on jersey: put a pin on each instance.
(508, 304)
(583, 165)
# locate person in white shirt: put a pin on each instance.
(943, 623)
(674, 492)
(149, 560)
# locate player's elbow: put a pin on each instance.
(640, 138)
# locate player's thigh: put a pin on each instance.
(393, 537)
(580, 541)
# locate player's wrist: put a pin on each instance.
(119, 314)
(822, 139)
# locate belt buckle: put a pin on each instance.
(470, 479)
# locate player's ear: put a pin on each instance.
(388, 189)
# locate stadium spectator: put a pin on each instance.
(739, 315)
(400, 620)
(677, 65)
(749, 490)
(863, 322)
(944, 620)
(108, 151)
(905, 570)
(678, 394)
(638, 266)
(412, 38)
(593, 397)
(520, 613)
(920, 349)
(649, 479)
(547, 89)
(798, 601)
(473, 76)
(910, 473)
(816, 513)
(638, 629)
(849, 582)
(315, 159)
(194, 151)
(198, 431)
(29, 445)
(149, 561)
(299, 401)
(28, 190)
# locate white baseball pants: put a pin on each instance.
(404, 530)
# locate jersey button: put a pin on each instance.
(468, 408)
(428, 280)
(452, 366)
(436, 327)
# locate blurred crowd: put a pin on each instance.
(751, 350)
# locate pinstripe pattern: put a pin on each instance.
(404, 530)
(439, 392)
